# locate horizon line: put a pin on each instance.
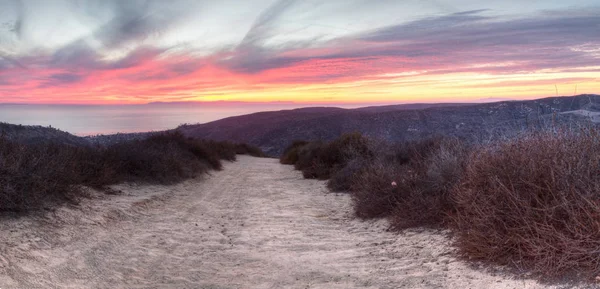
(225, 102)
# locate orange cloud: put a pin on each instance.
(457, 57)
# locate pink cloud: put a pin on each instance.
(451, 44)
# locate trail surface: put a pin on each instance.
(256, 224)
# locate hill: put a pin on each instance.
(37, 134)
(272, 131)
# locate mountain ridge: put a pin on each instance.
(272, 131)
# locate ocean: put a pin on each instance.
(86, 120)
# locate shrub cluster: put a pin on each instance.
(319, 160)
(408, 182)
(36, 175)
(534, 202)
(290, 154)
(411, 185)
(531, 201)
(246, 149)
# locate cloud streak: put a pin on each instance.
(129, 52)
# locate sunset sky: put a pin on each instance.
(307, 51)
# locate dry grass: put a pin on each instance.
(343, 178)
(246, 149)
(319, 160)
(533, 202)
(409, 182)
(290, 154)
(33, 176)
(412, 185)
(164, 158)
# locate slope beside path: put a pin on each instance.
(256, 224)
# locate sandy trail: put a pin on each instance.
(257, 224)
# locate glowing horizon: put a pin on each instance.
(133, 52)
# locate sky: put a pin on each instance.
(305, 51)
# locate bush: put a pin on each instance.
(36, 175)
(409, 182)
(165, 158)
(290, 154)
(533, 202)
(373, 194)
(342, 180)
(33, 175)
(348, 146)
(309, 160)
(246, 149)
(429, 179)
(319, 160)
(411, 185)
(224, 150)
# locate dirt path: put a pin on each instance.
(257, 224)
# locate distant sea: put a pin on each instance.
(86, 120)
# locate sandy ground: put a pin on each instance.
(257, 224)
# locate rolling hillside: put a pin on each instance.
(36, 134)
(272, 131)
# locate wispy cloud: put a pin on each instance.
(60, 79)
(120, 49)
(543, 41)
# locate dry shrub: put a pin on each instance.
(36, 175)
(222, 149)
(342, 180)
(372, 192)
(317, 170)
(318, 160)
(290, 154)
(423, 172)
(410, 151)
(165, 158)
(533, 202)
(428, 181)
(308, 158)
(246, 149)
(348, 146)
(412, 185)
(226, 150)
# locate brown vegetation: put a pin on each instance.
(532, 201)
(290, 154)
(411, 185)
(32, 175)
(318, 160)
(36, 175)
(246, 149)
